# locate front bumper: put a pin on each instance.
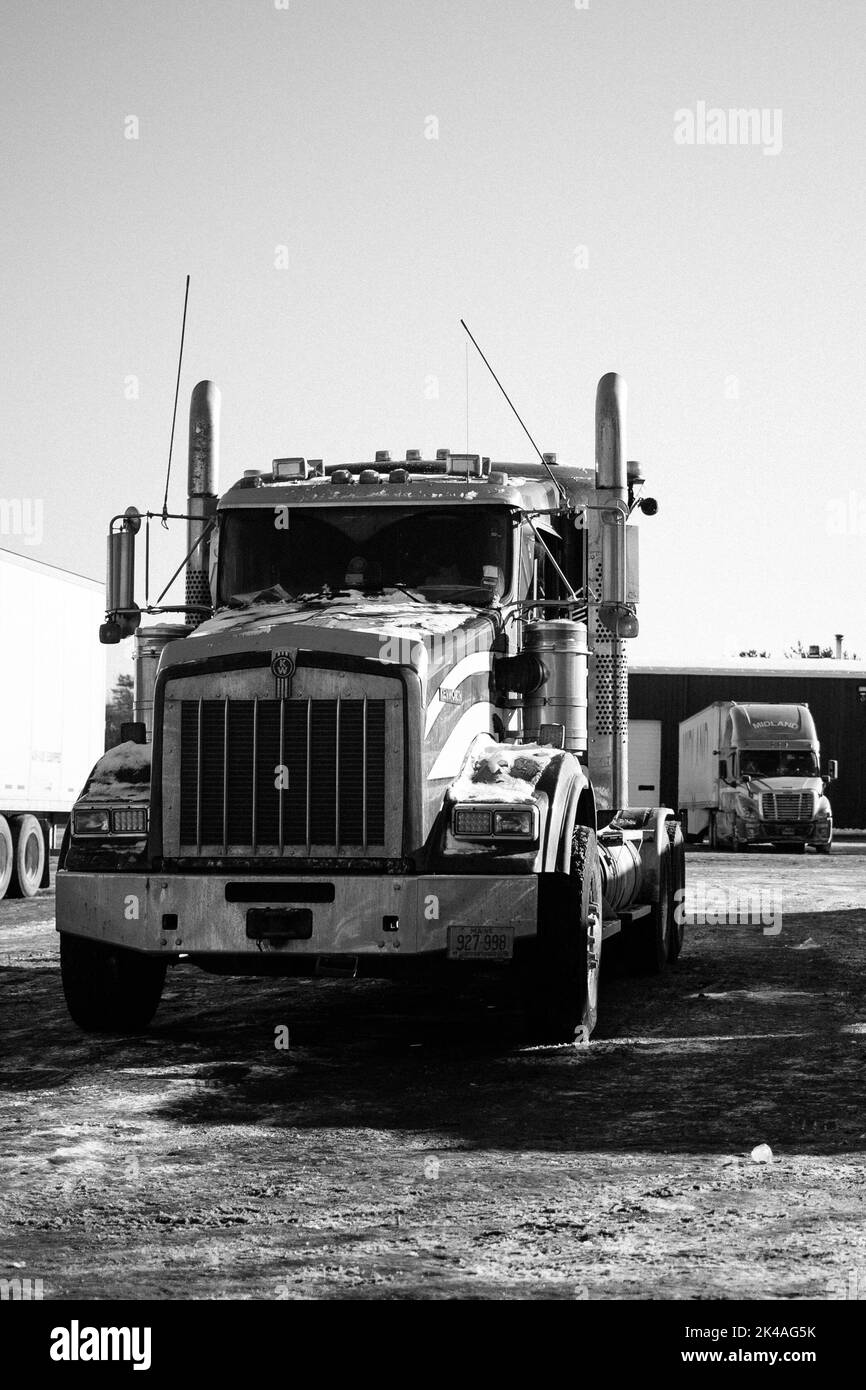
(190, 914)
(816, 832)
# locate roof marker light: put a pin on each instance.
(290, 468)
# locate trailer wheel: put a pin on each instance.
(7, 854)
(677, 854)
(28, 857)
(109, 989)
(560, 975)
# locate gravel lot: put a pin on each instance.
(406, 1144)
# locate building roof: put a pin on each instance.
(808, 667)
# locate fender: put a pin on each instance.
(121, 777)
(554, 780)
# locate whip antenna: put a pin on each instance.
(174, 412)
(553, 478)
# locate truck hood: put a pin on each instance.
(756, 785)
(428, 637)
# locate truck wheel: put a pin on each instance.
(712, 833)
(109, 989)
(6, 855)
(28, 857)
(677, 853)
(819, 849)
(560, 975)
(647, 941)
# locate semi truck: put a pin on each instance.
(388, 735)
(52, 710)
(751, 774)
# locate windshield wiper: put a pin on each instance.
(395, 584)
(275, 594)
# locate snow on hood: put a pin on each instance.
(377, 615)
(122, 772)
(501, 771)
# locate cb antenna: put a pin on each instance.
(174, 412)
(553, 478)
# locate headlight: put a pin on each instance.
(471, 822)
(110, 820)
(495, 822)
(130, 821)
(747, 808)
(514, 822)
(91, 823)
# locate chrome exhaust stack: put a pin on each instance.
(202, 490)
(611, 620)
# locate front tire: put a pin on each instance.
(560, 975)
(109, 989)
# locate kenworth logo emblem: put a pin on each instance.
(283, 667)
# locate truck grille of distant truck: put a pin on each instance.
(277, 774)
(787, 806)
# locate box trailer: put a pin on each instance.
(751, 774)
(52, 710)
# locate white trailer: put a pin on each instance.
(698, 789)
(52, 710)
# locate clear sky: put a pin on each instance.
(343, 181)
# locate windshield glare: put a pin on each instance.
(768, 763)
(445, 554)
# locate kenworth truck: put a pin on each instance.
(751, 774)
(390, 735)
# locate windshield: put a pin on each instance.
(767, 763)
(449, 554)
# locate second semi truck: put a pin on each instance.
(751, 774)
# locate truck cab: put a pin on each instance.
(772, 789)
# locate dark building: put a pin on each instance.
(835, 691)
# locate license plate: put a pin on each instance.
(789, 831)
(480, 943)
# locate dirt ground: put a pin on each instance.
(407, 1145)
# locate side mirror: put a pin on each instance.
(723, 770)
(832, 770)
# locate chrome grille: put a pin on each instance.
(787, 805)
(233, 793)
